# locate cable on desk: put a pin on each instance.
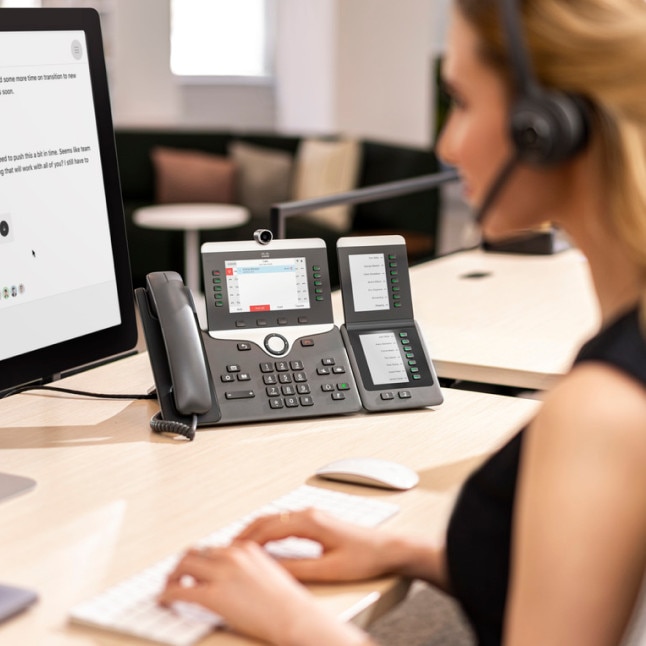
(157, 424)
(85, 393)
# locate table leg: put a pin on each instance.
(192, 260)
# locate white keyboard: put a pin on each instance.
(130, 607)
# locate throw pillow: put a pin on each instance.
(264, 177)
(325, 168)
(184, 175)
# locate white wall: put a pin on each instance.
(384, 67)
(361, 67)
(306, 66)
(142, 87)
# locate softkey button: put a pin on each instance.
(387, 396)
(405, 394)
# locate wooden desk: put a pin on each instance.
(517, 321)
(112, 498)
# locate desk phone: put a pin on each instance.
(271, 350)
(384, 343)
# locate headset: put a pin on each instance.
(547, 127)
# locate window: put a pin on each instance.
(220, 38)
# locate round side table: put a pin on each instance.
(191, 218)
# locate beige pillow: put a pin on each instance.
(325, 168)
(184, 175)
(264, 176)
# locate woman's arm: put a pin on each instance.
(580, 523)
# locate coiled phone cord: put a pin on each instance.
(173, 427)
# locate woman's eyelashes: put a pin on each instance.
(452, 97)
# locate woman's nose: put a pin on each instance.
(443, 145)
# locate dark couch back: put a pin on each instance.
(134, 146)
(415, 216)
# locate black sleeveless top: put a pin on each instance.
(479, 532)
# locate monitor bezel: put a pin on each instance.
(49, 363)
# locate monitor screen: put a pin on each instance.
(65, 288)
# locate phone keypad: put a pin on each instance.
(286, 383)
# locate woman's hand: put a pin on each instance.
(349, 552)
(255, 596)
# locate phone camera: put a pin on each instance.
(4, 228)
(263, 236)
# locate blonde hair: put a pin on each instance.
(597, 49)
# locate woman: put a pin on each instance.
(547, 542)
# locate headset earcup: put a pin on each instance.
(548, 128)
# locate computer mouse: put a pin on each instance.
(373, 472)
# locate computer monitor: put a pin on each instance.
(66, 296)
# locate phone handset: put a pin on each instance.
(172, 304)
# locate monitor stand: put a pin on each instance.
(11, 485)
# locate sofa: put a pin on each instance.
(167, 165)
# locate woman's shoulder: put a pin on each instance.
(598, 410)
(621, 343)
(605, 392)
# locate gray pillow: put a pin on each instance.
(263, 177)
